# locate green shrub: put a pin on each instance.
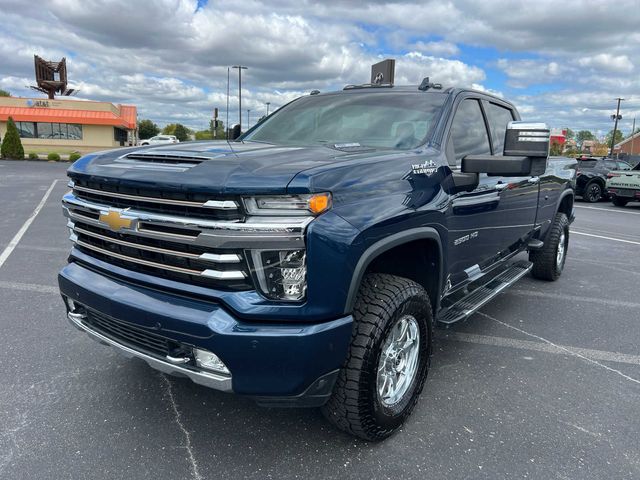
(33, 156)
(74, 156)
(11, 145)
(53, 156)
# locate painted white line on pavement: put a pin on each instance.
(29, 287)
(544, 347)
(572, 298)
(568, 350)
(605, 238)
(608, 210)
(16, 239)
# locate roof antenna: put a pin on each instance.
(426, 85)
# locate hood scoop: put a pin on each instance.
(159, 161)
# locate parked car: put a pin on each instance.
(592, 177)
(624, 186)
(160, 139)
(307, 263)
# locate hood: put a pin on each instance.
(210, 167)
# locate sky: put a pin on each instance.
(563, 63)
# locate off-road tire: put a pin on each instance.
(355, 406)
(590, 194)
(619, 202)
(545, 264)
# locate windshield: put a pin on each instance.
(367, 119)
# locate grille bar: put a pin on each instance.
(211, 257)
(209, 273)
(217, 204)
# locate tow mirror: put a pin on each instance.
(526, 139)
(526, 150)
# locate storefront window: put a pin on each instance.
(74, 132)
(45, 130)
(26, 129)
(55, 131)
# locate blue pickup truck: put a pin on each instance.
(308, 262)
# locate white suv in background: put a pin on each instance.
(158, 139)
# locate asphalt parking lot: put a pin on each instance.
(543, 383)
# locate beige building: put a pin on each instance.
(64, 126)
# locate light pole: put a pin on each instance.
(226, 126)
(240, 68)
(248, 118)
(268, 103)
(615, 117)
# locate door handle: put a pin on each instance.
(534, 180)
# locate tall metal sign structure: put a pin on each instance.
(51, 77)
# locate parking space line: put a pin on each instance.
(543, 347)
(607, 210)
(18, 236)
(605, 238)
(568, 350)
(573, 298)
(29, 287)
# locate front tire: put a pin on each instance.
(388, 359)
(619, 202)
(548, 262)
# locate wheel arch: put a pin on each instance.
(394, 254)
(565, 204)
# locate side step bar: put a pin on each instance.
(475, 300)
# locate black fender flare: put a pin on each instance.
(392, 241)
(567, 192)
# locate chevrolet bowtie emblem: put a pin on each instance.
(116, 220)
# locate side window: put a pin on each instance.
(624, 166)
(609, 165)
(468, 132)
(498, 117)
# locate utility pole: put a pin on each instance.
(227, 124)
(615, 117)
(268, 103)
(248, 118)
(633, 132)
(240, 68)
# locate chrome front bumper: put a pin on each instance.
(208, 379)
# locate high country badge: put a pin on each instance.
(427, 168)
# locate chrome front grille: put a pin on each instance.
(190, 249)
(167, 259)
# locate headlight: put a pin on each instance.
(310, 204)
(280, 274)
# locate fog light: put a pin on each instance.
(210, 361)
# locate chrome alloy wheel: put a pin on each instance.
(561, 250)
(398, 362)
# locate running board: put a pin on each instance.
(470, 304)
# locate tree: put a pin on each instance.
(4, 93)
(600, 149)
(571, 135)
(555, 149)
(181, 132)
(618, 139)
(204, 135)
(147, 129)
(583, 135)
(11, 145)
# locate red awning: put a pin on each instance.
(126, 120)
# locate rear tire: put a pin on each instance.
(549, 261)
(619, 202)
(372, 398)
(593, 192)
